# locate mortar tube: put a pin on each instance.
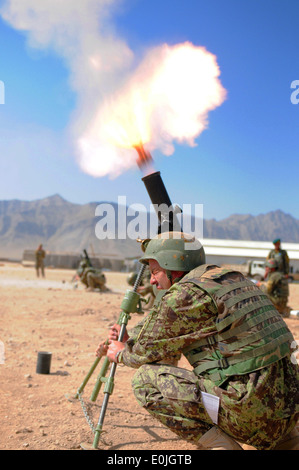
(161, 202)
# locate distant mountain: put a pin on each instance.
(62, 226)
(263, 227)
(59, 225)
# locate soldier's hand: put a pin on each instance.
(113, 349)
(114, 333)
(102, 350)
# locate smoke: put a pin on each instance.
(163, 100)
(82, 33)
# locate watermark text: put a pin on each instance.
(295, 94)
(119, 221)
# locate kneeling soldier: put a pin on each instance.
(237, 343)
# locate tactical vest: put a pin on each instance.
(250, 333)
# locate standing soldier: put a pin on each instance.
(40, 255)
(280, 256)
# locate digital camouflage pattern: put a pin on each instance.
(257, 408)
(256, 336)
(278, 291)
(248, 411)
(91, 277)
(95, 279)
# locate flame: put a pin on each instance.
(128, 124)
(166, 100)
(145, 159)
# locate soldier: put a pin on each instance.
(236, 342)
(40, 255)
(280, 256)
(277, 287)
(91, 277)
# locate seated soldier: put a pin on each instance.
(92, 278)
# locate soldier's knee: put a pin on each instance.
(142, 382)
(141, 376)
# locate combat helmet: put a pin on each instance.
(174, 251)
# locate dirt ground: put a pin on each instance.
(50, 315)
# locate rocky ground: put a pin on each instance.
(50, 315)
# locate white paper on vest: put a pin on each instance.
(211, 404)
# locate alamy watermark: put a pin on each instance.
(2, 92)
(119, 221)
(295, 94)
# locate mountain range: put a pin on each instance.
(65, 227)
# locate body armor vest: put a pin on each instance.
(250, 333)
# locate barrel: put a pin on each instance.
(158, 194)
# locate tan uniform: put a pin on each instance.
(40, 255)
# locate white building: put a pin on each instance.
(241, 251)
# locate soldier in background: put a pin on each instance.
(92, 278)
(40, 255)
(277, 287)
(280, 256)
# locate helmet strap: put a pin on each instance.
(172, 279)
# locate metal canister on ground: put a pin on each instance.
(43, 365)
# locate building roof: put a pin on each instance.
(246, 248)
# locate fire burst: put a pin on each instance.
(166, 100)
(144, 157)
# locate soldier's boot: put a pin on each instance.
(103, 288)
(215, 439)
(289, 442)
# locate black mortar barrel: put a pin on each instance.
(159, 197)
(87, 258)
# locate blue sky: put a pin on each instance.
(245, 162)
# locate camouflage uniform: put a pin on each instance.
(39, 261)
(282, 259)
(259, 404)
(278, 291)
(92, 278)
(95, 279)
